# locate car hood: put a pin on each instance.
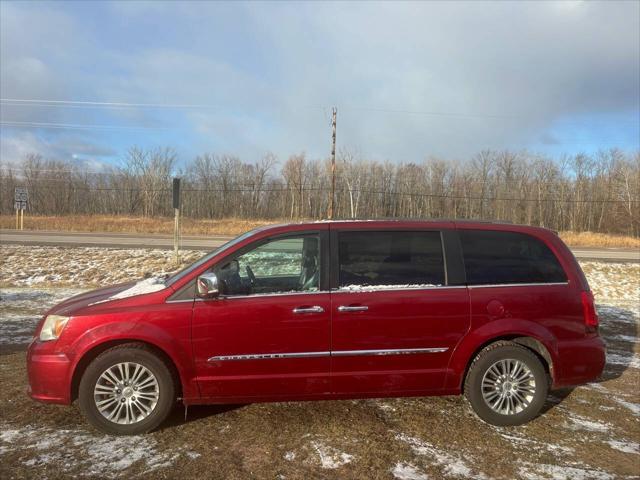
(103, 295)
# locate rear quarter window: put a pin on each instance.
(390, 259)
(496, 258)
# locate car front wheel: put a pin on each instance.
(126, 390)
(506, 384)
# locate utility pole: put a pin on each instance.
(334, 113)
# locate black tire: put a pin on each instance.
(504, 350)
(138, 354)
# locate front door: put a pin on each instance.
(396, 320)
(268, 333)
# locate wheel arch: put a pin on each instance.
(527, 334)
(533, 344)
(92, 353)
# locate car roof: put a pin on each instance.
(405, 223)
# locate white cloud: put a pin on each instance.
(16, 146)
(516, 68)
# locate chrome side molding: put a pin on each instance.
(268, 356)
(397, 351)
(334, 353)
(509, 285)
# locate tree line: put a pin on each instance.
(599, 192)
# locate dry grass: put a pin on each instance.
(112, 223)
(592, 239)
(235, 226)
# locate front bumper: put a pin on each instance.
(49, 374)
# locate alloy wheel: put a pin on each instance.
(126, 393)
(508, 386)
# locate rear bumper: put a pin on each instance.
(582, 361)
(48, 375)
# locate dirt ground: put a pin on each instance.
(590, 432)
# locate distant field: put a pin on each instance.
(592, 239)
(112, 223)
(235, 226)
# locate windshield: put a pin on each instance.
(194, 266)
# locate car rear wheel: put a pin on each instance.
(506, 384)
(126, 390)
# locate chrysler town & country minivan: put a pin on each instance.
(330, 310)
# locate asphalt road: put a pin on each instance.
(129, 240)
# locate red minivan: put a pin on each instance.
(330, 310)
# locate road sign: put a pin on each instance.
(21, 194)
(20, 198)
(176, 193)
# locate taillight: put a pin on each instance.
(589, 311)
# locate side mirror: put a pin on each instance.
(207, 285)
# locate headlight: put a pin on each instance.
(52, 327)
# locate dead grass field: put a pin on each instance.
(593, 239)
(117, 224)
(235, 226)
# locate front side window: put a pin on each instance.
(390, 259)
(285, 265)
(496, 258)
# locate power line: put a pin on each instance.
(430, 113)
(21, 101)
(53, 170)
(93, 103)
(77, 126)
(343, 190)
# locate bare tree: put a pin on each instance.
(581, 192)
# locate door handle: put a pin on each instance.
(314, 309)
(353, 308)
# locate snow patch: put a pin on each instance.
(330, 458)
(94, 455)
(613, 280)
(148, 285)
(373, 288)
(626, 447)
(533, 471)
(624, 338)
(634, 407)
(35, 265)
(452, 465)
(21, 309)
(407, 471)
(631, 361)
(519, 440)
(583, 423)
(385, 407)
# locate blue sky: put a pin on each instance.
(410, 80)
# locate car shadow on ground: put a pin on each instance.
(620, 330)
(196, 412)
